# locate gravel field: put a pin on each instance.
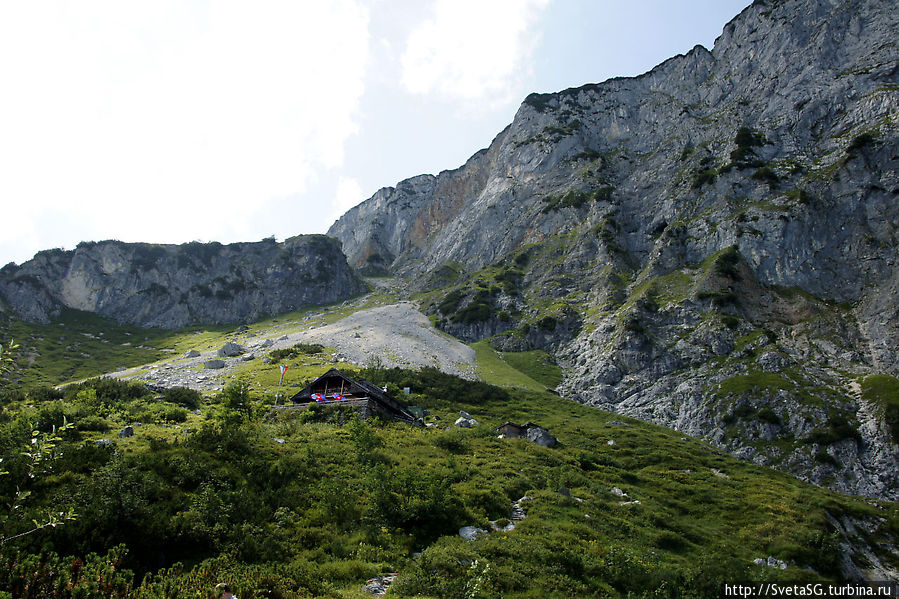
(394, 335)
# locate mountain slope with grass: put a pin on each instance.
(317, 503)
(711, 246)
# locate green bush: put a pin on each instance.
(838, 429)
(421, 503)
(859, 142)
(883, 390)
(704, 177)
(292, 352)
(766, 175)
(189, 398)
(92, 423)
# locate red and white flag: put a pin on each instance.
(283, 370)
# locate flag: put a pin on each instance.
(283, 370)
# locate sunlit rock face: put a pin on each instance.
(170, 286)
(718, 237)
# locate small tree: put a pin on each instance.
(6, 358)
(39, 454)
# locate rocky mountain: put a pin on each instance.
(711, 245)
(170, 286)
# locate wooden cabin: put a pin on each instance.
(336, 388)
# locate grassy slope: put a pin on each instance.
(688, 521)
(82, 345)
(493, 368)
(567, 546)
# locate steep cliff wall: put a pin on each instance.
(170, 286)
(711, 245)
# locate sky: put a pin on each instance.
(169, 121)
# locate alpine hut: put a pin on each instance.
(336, 388)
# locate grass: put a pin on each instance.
(756, 381)
(536, 364)
(81, 345)
(494, 369)
(317, 495)
(883, 390)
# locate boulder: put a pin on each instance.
(192, 354)
(540, 436)
(471, 533)
(465, 420)
(378, 586)
(128, 431)
(214, 364)
(229, 350)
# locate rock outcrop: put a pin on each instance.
(170, 286)
(711, 245)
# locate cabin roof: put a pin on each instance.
(334, 379)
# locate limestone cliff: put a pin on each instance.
(170, 286)
(711, 245)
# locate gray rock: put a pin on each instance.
(471, 533)
(378, 586)
(776, 563)
(465, 420)
(192, 354)
(103, 442)
(170, 286)
(128, 431)
(540, 436)
(770, 562)
(214, 364)
(635, 150)
(230, 350)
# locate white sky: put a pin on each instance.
(170, 121)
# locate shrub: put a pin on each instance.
(725, 264)
(766, 175)
(547, 323)
(768, 415)
(421, 503)
(453, 441)
(704, 177)
(838, 429)
(859, 142)
(92, 423)
(292, 352)
(451, 302)
(189, 398)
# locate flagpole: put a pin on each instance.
(280, 380)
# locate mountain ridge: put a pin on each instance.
(704, 243)
(171, 286)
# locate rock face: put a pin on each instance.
(170, 286)
(711, 245)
